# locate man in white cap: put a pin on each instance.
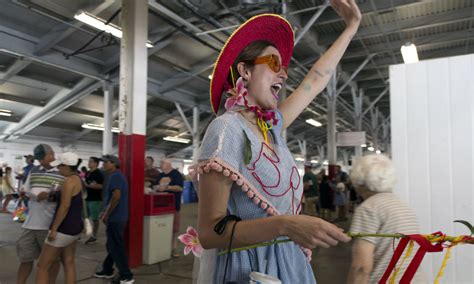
(41, 182)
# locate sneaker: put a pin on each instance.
(91, 240)
(103, 275)
(123, 281)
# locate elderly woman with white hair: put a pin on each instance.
(373, 177)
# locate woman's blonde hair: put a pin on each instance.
(376, 172)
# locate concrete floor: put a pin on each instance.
(330, 265)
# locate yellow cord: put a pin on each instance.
(443, 265)
(232, 76)
(264, 128)
(407, 255)
(456, 241)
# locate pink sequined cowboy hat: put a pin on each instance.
(266, 27)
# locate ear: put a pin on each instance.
(244, 72)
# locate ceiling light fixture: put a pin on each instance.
(363, 145)
(5, 112)
(371, 149)
(187, 161)
(314, 122)
(98, 127)
(176, 139)
(409, 53)
(99, 24)
(299, 159)
(210, 76)
(378, 152)
(314, 161)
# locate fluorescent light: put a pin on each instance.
(299, 159)
(176, 139)
(363, 145)
(371, 149)
(314, 161)
(187, 161)
(5, 112)
(326, 163)
(98, 127)
(409, 53)
(210, 76)
(378, 152)
(314, 122)
(99, 24)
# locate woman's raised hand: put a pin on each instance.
(348, 11)
(311, 232)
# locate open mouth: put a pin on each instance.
(276, 89)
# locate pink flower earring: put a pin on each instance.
(237, 95)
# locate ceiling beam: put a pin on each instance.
(366, 9)
(181, 78)
(14, 69)
(40, 103)
(17, 46)
(63, 30)
(404, 25)
(22, 100)
(62, 100)
(421, 42)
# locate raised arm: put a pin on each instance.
(319, 75)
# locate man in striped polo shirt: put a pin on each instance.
(40, 185)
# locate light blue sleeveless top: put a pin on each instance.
(268, 185)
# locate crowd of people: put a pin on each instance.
(323, 196)
(60, 199)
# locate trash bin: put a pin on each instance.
(158, 227)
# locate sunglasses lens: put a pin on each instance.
(275, 64)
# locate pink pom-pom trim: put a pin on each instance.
(264, 205)
(245, 188)
(234, 177)
(250, 194)
(239, 182)
(207, 168)
(216, 166)
(256, 200)
(226, 172)
(270, 211)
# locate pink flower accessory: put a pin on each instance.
(238, 94)
(191, 242)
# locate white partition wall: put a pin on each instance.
(432, 114)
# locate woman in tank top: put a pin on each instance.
(67, 223)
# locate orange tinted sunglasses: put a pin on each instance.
(272, 61)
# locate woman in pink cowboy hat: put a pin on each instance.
(249, 187)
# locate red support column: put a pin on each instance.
(131, 152)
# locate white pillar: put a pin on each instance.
(107, 135)
(133, 67)
(196, 138)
